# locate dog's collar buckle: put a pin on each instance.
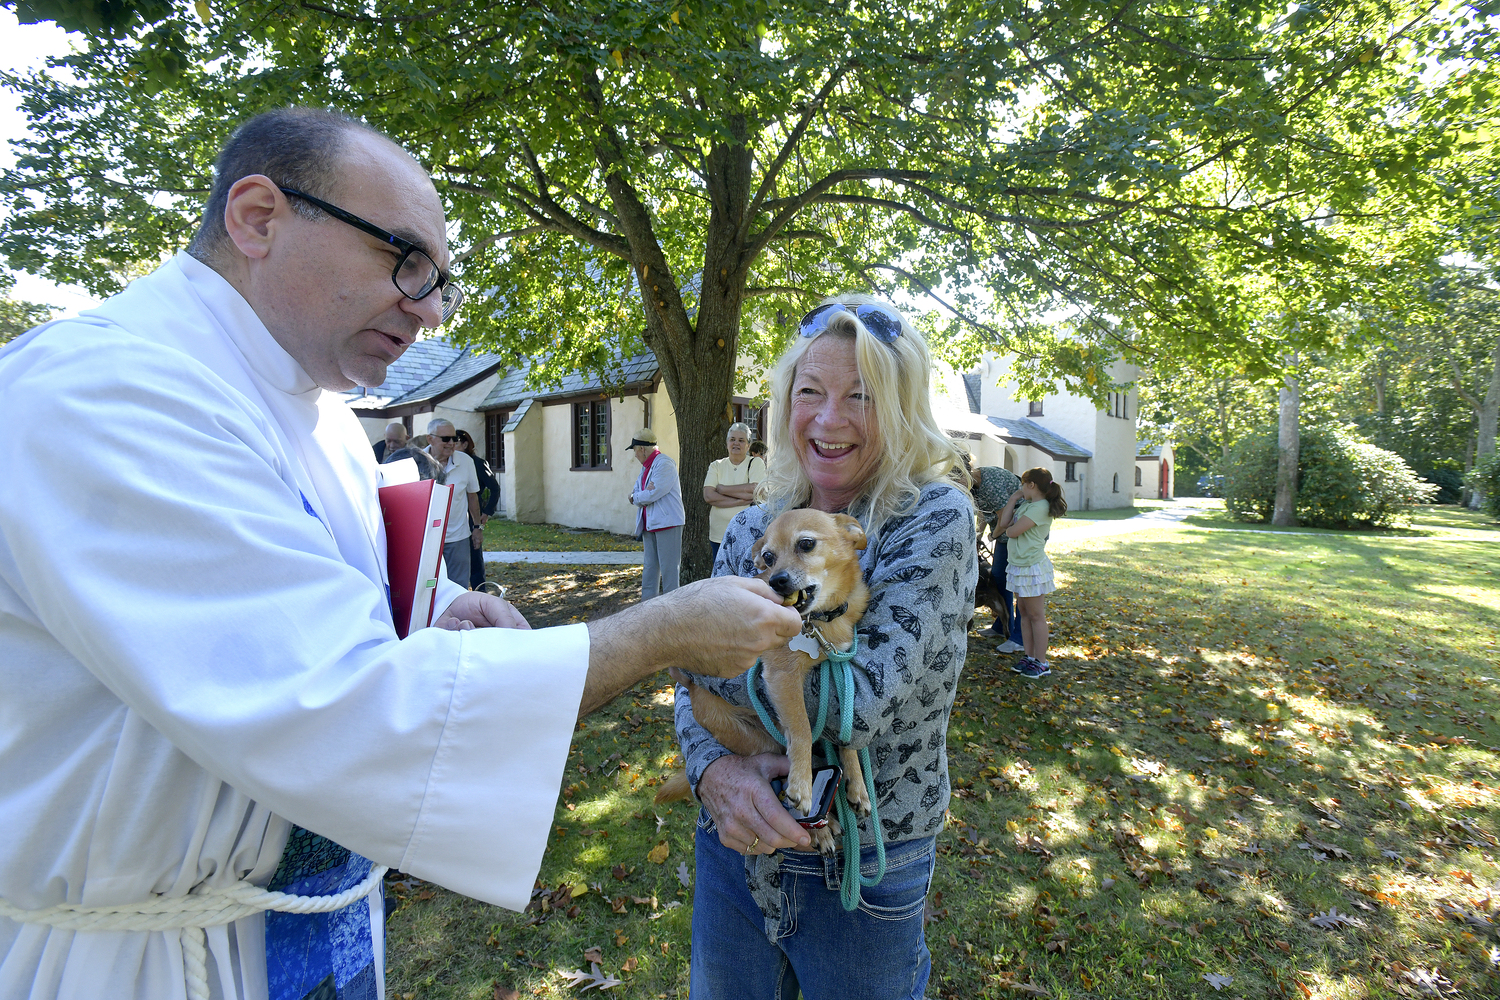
(829, 615)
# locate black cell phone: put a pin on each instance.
(825, 782)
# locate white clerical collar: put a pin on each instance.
(267, 358)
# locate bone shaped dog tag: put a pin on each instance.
(804, 644)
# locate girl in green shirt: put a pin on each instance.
(1027, 521)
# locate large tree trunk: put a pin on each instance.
(1488, 414)
(1288, 445)
(697, 355)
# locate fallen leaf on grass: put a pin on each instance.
(1217, 981)
(594, 954)
(683, 876)
(1333, 920)
(593, 978)
(1032, 844)
(667, 908)
(1031, 988)
(1430, 981)
(629, 965)
(658, 854)
(503, 992)
(619, 872)
(1471, 919)
(617, 905)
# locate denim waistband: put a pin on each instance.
(897, 855)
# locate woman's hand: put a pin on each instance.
(751, 819)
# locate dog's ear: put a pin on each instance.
(760, 543)
(852, 528)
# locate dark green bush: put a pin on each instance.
(1341, 482)
(1249, 477)
(1450, 484)
(1486, 479)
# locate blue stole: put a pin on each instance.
(320, 956)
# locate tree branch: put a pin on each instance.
(768, 182)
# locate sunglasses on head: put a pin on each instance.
(882, 321)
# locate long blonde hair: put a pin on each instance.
(914, 450)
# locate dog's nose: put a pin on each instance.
(782, 583)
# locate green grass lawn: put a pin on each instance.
(1117, 513)
(504, 535)
(1427, 520)
(1242, 732)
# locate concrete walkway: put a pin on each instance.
(1079, 529)
(568, 558)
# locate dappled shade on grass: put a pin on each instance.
(1246, 738)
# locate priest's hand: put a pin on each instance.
(472, 609)
(715, 628)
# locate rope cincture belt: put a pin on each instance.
(190, 915)
(853, 878)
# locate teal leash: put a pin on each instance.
(854, 879)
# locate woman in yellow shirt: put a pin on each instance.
(1027, 521)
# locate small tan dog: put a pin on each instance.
(810, 559)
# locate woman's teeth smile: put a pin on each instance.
(830, 449)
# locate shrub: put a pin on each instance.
(1248, 475)
(1450, 484)
(1341, 482)
(1485, 478)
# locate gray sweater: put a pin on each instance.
(921, 570)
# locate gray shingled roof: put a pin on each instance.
(1145, 449)
(629, 372)
(1024, 431)
(428, 371)
(972, 387)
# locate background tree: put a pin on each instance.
(17, 315)
(1067, 183)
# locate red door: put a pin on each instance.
(1166, 478)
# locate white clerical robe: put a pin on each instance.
(196, 650)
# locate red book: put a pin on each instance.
(416, 518)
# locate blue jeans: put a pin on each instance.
(876, 952)
(997, 573)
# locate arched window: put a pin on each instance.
(1117, 482)
(1138, 475)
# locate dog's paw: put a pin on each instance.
(798, 796)
(826, 839)
(859, 798)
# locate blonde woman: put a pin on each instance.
(852, 430)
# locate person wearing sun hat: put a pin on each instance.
(658, 523)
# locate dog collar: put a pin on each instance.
(828, 616)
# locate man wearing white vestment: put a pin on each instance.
(202, 695)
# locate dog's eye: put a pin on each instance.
(769, 558)
(806, 544)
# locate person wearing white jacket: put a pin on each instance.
(658, 523)
(212, 740)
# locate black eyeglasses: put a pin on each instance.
(415, 274)
(447, 438)
(882, 321)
